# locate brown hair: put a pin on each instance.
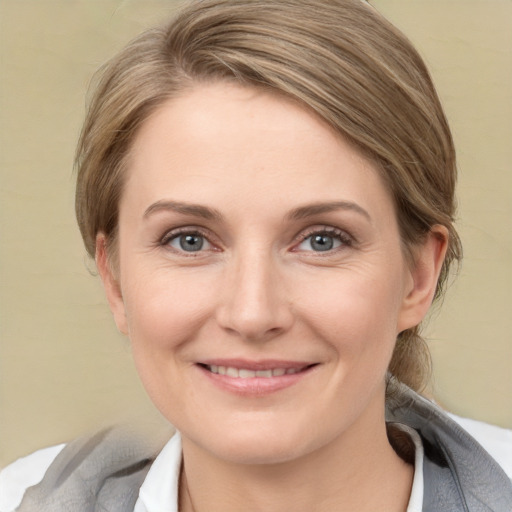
(338, 58)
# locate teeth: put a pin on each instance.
(244, 373)
(231, 372)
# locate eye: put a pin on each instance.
(323, 241)
(187, 242)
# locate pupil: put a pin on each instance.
(191, 242)
(322, 243)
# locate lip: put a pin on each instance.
(295, 371)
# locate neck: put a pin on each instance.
(357, 471)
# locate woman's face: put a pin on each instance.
(261, 277)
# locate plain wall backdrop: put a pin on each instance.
(64, 370)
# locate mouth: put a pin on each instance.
(255, 378)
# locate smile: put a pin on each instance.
(255, 379)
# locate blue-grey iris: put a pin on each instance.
(322, 242)
(191, 243)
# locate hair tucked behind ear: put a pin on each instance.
(338, 58)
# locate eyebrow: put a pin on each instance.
(312, 209)
(195, 210)
(302, 212)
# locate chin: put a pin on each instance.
(257, 451)
(259, 444)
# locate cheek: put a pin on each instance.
(164, 313)
(354, 311)
(164, 309)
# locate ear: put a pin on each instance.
(110, 284)
(428, 258)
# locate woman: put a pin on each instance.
(268, 191)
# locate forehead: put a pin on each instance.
(240, 143)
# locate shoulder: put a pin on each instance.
(495, 440)
(467, 460)
(65, 474)
(23, 473)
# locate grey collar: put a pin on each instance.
(459, 475)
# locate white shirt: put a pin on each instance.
(159, 492)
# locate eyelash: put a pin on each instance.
(191, 231)
(342, 236)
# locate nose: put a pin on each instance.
(253, 303)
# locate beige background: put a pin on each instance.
(64, 370)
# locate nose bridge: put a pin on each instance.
(254, 303)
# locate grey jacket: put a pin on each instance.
(104, 472)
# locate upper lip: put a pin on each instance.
(266, 364)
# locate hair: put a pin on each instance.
(338, 58)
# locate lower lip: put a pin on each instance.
(255, 386)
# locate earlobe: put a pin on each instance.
(428, 261)
(110, 284)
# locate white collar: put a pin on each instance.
(416, 499)
(159, 492)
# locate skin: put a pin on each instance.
(260, 289)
